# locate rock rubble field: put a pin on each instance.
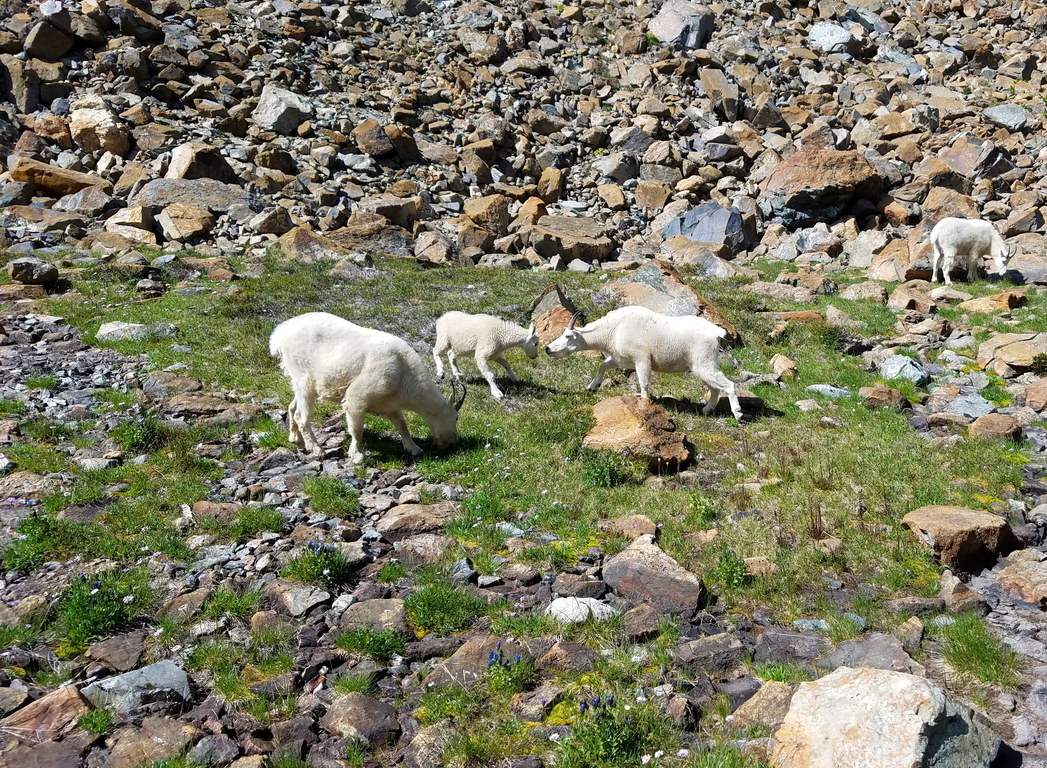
(855, 573)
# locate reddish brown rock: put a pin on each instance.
(642, 572)
(963, 539)
(996, 426)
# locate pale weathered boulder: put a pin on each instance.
(642, 572)
(571, 238)
(638, 428)
(1024, 576)
(1009, 354)
(184, 221)
(996, 426)
(879, 719)
(575, 610)
(51, 178)
(963, 539)
(281, 110)
(47, 718)
(683, 25)
(97, 128)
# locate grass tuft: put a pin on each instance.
(443, 608)
(972, 651)
(378, 644)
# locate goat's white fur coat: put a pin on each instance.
(967, 240)
(486, 337)
(635, 338)
(328, 358)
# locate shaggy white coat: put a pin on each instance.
(635, 338)
(328, 358)
(967, 240)
(486, 337)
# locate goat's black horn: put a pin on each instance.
(574, 319)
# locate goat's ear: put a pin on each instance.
(574, 319)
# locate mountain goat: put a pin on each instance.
(368, 371)
(968, 239)
(637, 338)
(486, 337)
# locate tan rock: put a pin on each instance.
(868, 291)
(27, 485)
(301, 244)
(817, 184)
(550, 185)
(883, 397)
(761, 567)
(643, 573)
(199, 160)
(47, 718)
(998, 302)
(571, 238)
(652, 194)
(612, 196)
(54, 179)
(638, 427)
(1036, 395)
(996, 426)
(98, 129)
(158, 739)
(183, 221)
(963, 539)
(1025, 577)
(629, 526)
(784, 367)
(912, 295)
(490, 213)
(767, 707)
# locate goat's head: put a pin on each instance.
(570, 340)
(1000, 253)
(530, 344)
(444, 425)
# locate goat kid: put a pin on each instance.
(639, 339)
(486, 337)
(328, 358)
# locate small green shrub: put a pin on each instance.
(1039, 364)
(12, 407)
(391, 573)
(504, 677)
(602, 469)
(97, 606)
(379, 644)
(46, 430)
(731, 570)
(96, 721)
(443, 608)
(47, 381)
(320, 564)
(607, 735)
(145, 433)
(331, 497)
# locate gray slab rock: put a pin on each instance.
(164, 684)
(281, 110)
(683, 25)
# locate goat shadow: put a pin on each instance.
(386, 446)
(723, 407)
(478, 388)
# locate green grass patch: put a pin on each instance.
(438, 704)
(235, 668)
(973, 652)
(12, 407)
(320, 564)
(145, 433)
(364, 682)
(609, 735)
(237, 604)
(46, 381)
(97, 721)
(94, 607)
(331, 497)
(248, 523)
(390, 573)
(378, 644)
(443, 608)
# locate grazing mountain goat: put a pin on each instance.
(637, 338)
(368, 371)
(484, 336)
(968, 239)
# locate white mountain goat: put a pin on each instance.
(367, 371)
(639, 339)
(486, 337)
(969, 240)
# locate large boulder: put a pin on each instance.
(570, 237)
(817, 185)
(30, 270)
(411, 519)
(199, 160)
(214, 195)
(657, 286)
(95, 128)
(162, 686)
(636, 427)
(47, 718)
(683, 25)
(879, 719)
(643, 573)
(709, 223)
(1009, 354)
(963, 539)
(1024, 576)
(358, 716)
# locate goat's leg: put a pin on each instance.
(605, 366)
(294, 434)
(643, 377)
(303, 411)
(439, 362)
(455, 371)
(972, 267)
(936, 261)
(354, 422)
(488, 374)
(400, 423)
(500, 359)
(948, 260)
(717, 383)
